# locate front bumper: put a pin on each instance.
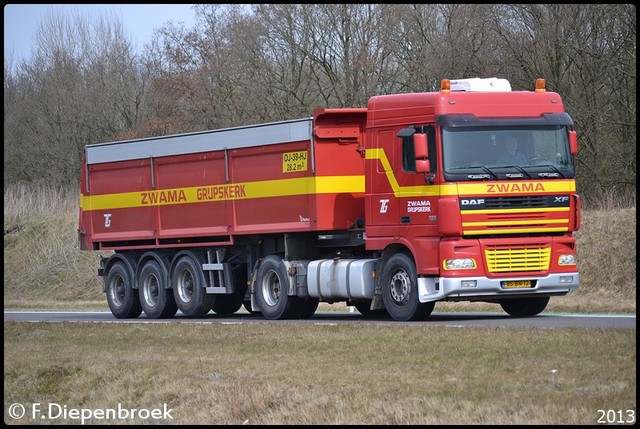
(444, 288)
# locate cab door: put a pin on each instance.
(380, 185)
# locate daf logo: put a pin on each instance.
(472, 202)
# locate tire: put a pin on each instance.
(306, 307)
(400, 290)
(189, 288)
(229, 304)
(523, 307)
(247, 306)
(364, 308)
(271, 290)
(156, 300)
(121, 296)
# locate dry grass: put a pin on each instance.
(43, 267)
(323, 374)
(42, 260)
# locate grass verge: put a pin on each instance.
(320, 374)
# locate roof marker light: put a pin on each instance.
(445, 86)
(476, 84)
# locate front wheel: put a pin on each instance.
(400, 290)
(522, 307)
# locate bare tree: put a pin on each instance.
(586, 52)
(244, 64)
(350, 52)
(197, 71)
(80, 87)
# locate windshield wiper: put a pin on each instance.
(517, 167)
(479, 176)
(556, 174)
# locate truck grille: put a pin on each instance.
(516, 202)
(505, 258)
(515, 215)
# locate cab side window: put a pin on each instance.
(408, 152)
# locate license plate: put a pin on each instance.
(517, 284)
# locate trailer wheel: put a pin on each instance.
(157, 301)
(400, 290)
(229, 304)
(271, 290)
(189, 288)
(121, 296)
(521, 307)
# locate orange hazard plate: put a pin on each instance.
(517, 284)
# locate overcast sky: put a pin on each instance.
(139, 20)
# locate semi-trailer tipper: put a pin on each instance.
(389, 208)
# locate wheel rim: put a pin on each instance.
(117, 290)
(185, 286)
(151, 290)
(400, 287)
(270, 288)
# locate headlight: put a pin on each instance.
(459, 264)
(567, 260)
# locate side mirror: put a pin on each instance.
(423, 166)
(421, 153)
(573, 142)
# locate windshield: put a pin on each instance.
(482, 153)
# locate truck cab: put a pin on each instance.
(478, 225)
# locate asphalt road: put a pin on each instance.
(466, 319)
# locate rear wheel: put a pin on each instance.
(364, 308)
(189, 287)
(400, 290)
(307, 307)
(271, 290)
(229, 304)
(121, 296)
(522, 307)
(249, 308)
(157, 301)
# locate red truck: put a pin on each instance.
(389, 208)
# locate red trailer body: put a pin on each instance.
(205, 188)
(373, 206)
